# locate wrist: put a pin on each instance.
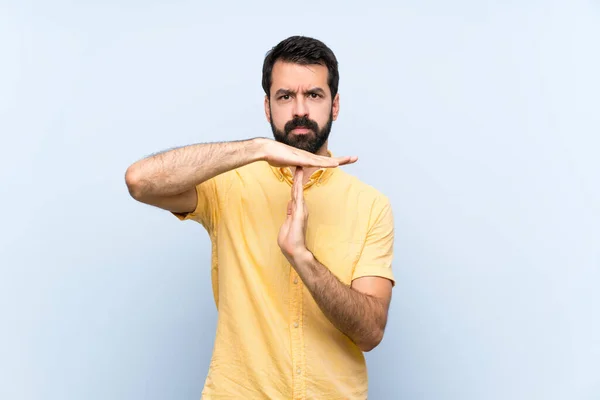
(301, 258)
(258, 148)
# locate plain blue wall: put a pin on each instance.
(480, 121)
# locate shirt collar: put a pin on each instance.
(318, 177)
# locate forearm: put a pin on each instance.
(359, 316)
(177, 170)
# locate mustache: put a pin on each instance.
(301, 122)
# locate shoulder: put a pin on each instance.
(356, 187)
(369, 203)
(253, 171)
(246, 180)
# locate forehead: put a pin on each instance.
(292, 76)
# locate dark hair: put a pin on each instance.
(304, 51)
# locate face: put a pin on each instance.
(300, 108)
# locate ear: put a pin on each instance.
(267, 109)
(335, 108)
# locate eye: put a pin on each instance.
(314, 96)
(284, 97)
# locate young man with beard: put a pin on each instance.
(301, 250)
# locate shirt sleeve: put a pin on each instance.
(378, 251)
(208, 207)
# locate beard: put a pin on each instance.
(312, 141)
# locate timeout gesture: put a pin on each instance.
(292, 234)
(282, 155)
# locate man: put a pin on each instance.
(301, 250)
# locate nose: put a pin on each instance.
(300, 107)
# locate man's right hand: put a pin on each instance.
(168, 180)
(281, 155)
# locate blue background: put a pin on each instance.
(479, 120)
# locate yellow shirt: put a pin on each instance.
(272, 340)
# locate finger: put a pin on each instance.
(299, 190)
(294, 189)
(298, 186)
(347, 160)
(326, 162)
(306, 159)
(289, 208)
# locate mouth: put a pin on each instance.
(301, 130)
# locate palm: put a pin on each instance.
(282, 155)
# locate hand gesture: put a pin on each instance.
(281, 155)
(291, 238)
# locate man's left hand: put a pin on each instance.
(291, 238)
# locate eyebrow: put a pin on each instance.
(283, 92)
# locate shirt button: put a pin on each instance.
(295, 280)
(295, 324)
(298, 371)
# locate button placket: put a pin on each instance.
(296, 334)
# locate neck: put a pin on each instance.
(323, 151)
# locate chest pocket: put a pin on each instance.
(336, 249)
